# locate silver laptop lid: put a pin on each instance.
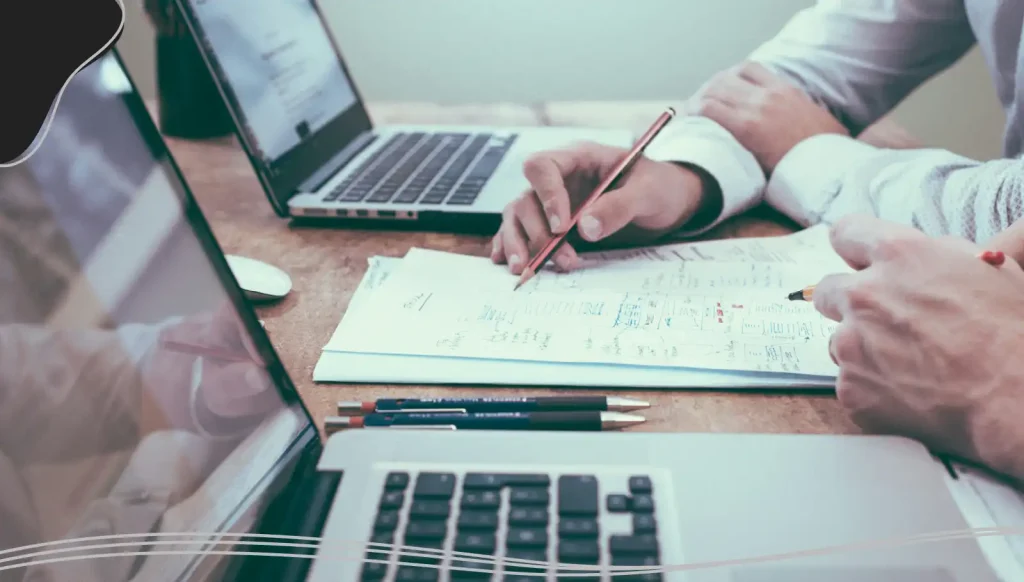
(111, 428)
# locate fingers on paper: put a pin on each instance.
(862, 240)
(830, 295)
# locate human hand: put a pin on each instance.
(767, 115)
(1010, 241)
(227, 389)
(654, 198)
(929, 340)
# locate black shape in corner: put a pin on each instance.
(42, 45)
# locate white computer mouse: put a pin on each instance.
(260, 281)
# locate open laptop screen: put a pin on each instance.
(284, 82)
(110, 425)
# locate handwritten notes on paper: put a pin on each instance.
(683, 313)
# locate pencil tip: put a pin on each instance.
(796, 296)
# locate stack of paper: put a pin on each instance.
(692, 315)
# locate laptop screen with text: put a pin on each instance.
(283, 80)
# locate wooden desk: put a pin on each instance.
(327, 265)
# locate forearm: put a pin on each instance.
(730, 172)
(87, 381)
(935, 191)
(859, 59)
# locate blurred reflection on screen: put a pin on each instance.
(108, 425)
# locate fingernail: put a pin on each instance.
(555, 222)
(590, 227)
(513, 260)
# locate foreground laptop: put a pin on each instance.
(310, 139)
(114, 437)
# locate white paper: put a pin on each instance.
(710, 315)
(337, 366)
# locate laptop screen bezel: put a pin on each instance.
(282, 178)
(203, 233)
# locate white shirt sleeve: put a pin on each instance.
(935, 191)
(858, 58)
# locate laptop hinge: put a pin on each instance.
(336, 163)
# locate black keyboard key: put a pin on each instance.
(460, 200)
(434, 486)
(374, 571)
(630, 560)
(529, 496)
(578, 528)
(392, 500)
(435, 196)
(416, 574)
(486, 481)
(644, 523)
(380, 551)
(577, 495)
(429, 551)
(640, 484)
(527, 516)
(618, 503)
(426, 530)
(578, 551)
(499, 480)
(645, 545)
(643, 504)
(466, 573)
(386, 521)
(429, 510)
(482, 520)
(526, 538)
(481, 500)
(475, 542)
(529, 555)
(396, 480)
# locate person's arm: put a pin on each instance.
(936, 191)
(856, 58)
(55, 383)
(860, 58)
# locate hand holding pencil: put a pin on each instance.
(928, 339)
(650, 199)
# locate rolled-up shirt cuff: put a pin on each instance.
(738, 175)
(807, 182)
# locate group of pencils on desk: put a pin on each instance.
(564, 413)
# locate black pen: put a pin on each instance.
(592, 420)
(500, 404)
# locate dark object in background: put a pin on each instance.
(189, 103)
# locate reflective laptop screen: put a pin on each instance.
(110, 424)
(278, 60)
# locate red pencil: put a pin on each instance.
(608, 183)
(994, 258)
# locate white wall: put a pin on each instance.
(453, 51)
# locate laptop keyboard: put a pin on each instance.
(425, 168)
(511, 516)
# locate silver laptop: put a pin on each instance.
(228, 448)
(307, 132)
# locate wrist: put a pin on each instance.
(709, 201)
(996, 430)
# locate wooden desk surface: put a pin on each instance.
(327, 265)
